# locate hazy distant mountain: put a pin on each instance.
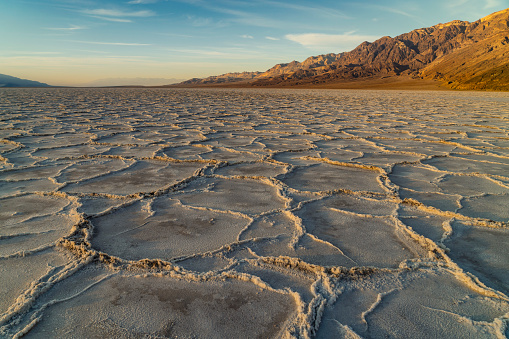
(131, 82)
(459, 54)
(223, 78)
(10, 81)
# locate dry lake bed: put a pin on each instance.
(211, 213)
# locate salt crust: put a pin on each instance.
(244, 213)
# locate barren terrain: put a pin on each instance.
(234, 213)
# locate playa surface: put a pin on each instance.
(229, 213)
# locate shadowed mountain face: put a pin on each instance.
(10, 81)
(459, 54)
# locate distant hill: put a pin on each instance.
(110, 82)
(458, 54)
(224, 78)
(10, 81)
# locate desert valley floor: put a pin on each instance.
(243, 213)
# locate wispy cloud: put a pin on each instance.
(30, 61)
(317, 40)
(111, 19)
(22, 53)
(205, 22)
(318, 10)
(235, 15)
(117, 15)
(243, 17)
(70, 29)
(142, 2)
(245, 36)
(201, 52)
(110, 43)
(271, 38)
(228, 53)
(471, 9)
(175, 35)
(252, 19)
(456, 3)
(495, 4)
(399, 12)
(93, 51)
(199, 22)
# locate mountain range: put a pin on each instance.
(119, 82)
(10, 81)
(457, 54)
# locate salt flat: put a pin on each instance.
(218, 213)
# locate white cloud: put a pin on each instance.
(271, 38)
(494, 4)
(248, 18)
(102, 12)
(205, 52)
(456, 3)
(58, 62)
(320, 10)
(111, 19)
(398, 11)
(245, 36)
(111, 43)
(23, 53)
(236, 16)
(317, 40)
(175, 35)
(71, 28)
(142, 2)
(227, 53)
(198, 21)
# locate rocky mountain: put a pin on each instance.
(317, 63)
(223, 78)
(481, 62)
(10, 81)
(458, 54)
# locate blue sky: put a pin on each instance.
(71, 42)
